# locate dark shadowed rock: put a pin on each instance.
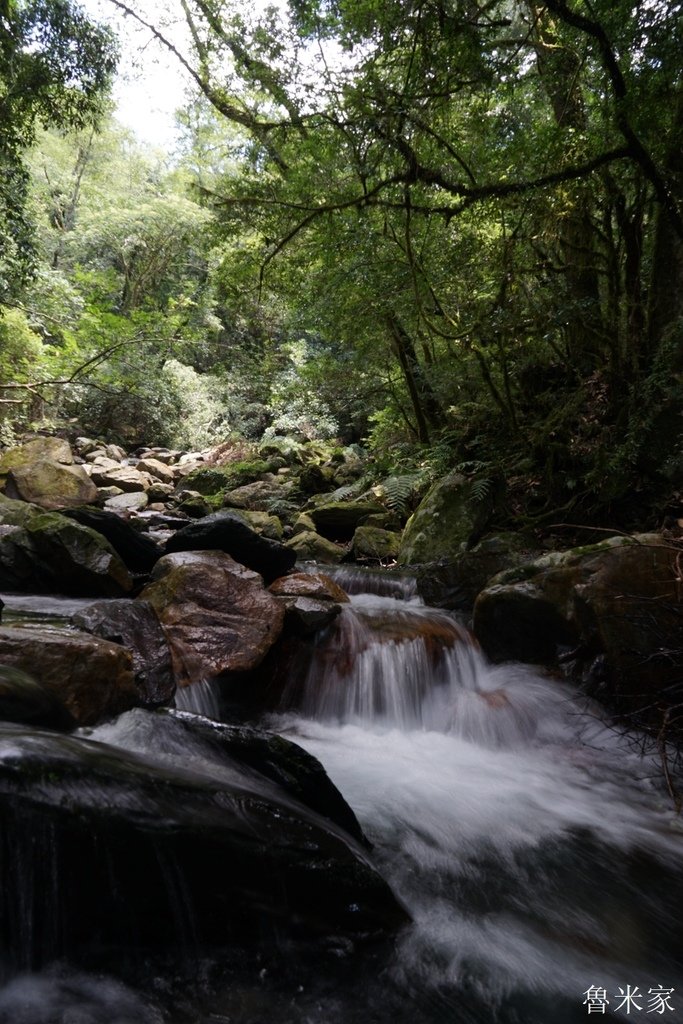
(217, 615)
(149, 855)
(52, 554)
(135, 626)
(337, 520)
(137, 551)
(23, 700)
(225, 531)
(311, 601)
(92, 678)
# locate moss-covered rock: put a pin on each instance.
(452, 513)
(615, 604)
(53, 554)
(455, 583)
(371, 542)
(52, 448)
(217, 479)
(312, 547)
(337, 520)
(17, 513)
(51, 485)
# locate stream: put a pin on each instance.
(533, 844)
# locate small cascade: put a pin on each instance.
(200, 699)
(355, 580)
(398, 664)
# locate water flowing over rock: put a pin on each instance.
(136, 853)
(91, 677)
(217, 615)
(52, 554)
(225, 531)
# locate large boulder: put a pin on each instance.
(455, 583)
(92, 678)
(614, 605)
(52, 448)
(146, 856)
(138, 552)
(260, 495)
(135, 626)
(218, 617)
(50, 484)
(52, 554)
(226, 531)
(375, 544)
(337, 520)
(128, 479)
(452, 514)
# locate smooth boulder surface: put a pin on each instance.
(337, 520)
(310, 546)
(91, 677)
(225, 531)
(53, 554)
(217, 615)
(135, 854)
(53, 448)
(51, 485)
(135, 626)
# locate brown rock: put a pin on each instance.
(218, 616)
(305, 584)
(93, 678)
(156, 469)
(125, 477)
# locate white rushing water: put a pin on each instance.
(531, 842)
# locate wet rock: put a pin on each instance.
(146, 856)
(453, 513)
(23, 700)
(456, 582)
(311, 601)
(217, 615)
(137, 551)
(92, 678)
(280, 760)
(50, 484)
(309, 546)
(309, 584)
(53, 554)
(615, 605)
(225, 531)
(135, 626)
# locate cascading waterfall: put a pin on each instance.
(534, 846)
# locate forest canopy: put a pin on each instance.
(451, 232)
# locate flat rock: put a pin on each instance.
(127, 502)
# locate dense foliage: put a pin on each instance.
(451, 231)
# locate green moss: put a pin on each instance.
(214, 480)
